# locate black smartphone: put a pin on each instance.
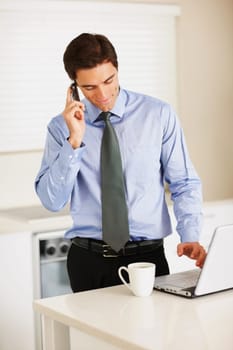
(75, 94)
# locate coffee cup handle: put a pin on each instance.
(121, 277)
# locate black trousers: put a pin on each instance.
(88, 270)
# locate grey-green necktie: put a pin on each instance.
(115, 224)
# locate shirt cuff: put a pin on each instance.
(68, 163)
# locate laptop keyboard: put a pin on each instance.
(185, 279)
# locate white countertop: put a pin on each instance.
(33, 219)
(158, 322)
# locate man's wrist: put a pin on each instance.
(74, 142)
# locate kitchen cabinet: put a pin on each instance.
(16, 292)
(17, 271)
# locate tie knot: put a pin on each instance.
(105, 116)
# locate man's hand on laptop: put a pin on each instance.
(193, 250)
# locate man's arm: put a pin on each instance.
(59, 168)
(185, 188)
(62, 155)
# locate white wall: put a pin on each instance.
(17, 174)
(205, 56)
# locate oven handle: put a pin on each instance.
(52, 260)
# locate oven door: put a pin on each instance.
(49, 270)
(54, 278)
(51, 276)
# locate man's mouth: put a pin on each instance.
(104, 102)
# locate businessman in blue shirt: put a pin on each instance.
(153, 152)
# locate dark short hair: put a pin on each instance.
(87, 51)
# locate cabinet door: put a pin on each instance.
(16, 292)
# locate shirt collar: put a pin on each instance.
(92, 112)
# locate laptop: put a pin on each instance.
(215, 276)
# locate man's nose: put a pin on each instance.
(101, 92)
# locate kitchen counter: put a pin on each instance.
(33, 219)
(112, 318)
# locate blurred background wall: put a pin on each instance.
(205, 104)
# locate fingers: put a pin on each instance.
(73, 103)
(201, 258)
(73, 109)
(77, 110)
(190, 249)
(184, 249)
(74, 118)
(193, 250)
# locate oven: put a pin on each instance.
(50, 250)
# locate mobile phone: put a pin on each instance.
(75, 94)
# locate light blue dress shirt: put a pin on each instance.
(153, 150)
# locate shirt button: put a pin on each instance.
(70, 156)
(62, 178)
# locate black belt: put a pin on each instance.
(131, 248)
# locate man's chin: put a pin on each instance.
(105, 107)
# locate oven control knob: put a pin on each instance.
(50, 250)
(64, 247)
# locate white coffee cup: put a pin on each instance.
(141, 278)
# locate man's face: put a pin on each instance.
(99, 85)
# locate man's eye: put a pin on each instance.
(89, 88)
(109, 81)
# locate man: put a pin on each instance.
(152, 151)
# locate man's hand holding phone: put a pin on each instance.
(74, 118)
